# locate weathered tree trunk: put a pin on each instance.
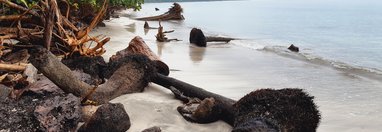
(261, 110)
(197, 37)
(131, 76)
(218, 39)
(174, 13)
(138, 46)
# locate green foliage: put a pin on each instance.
(134, 4)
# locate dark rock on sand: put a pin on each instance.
(108, 118)
(290, 110)
(293, 48)
(197, 37)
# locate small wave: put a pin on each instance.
(371, 73)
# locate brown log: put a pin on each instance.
(132, 76)
(174, 13)
(218, 39)
(138, 46)
(11, 67)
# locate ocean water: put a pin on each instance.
(340, 62)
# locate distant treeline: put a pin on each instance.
(159, 1)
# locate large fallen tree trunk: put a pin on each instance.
(261, 110)
(131, 76)
(174, 13)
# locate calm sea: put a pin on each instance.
(340, 62)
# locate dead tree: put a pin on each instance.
(174, 13)
(261, 110)
(161, 35)
(197, 37)
(130, 76)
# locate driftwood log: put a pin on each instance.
(261, 110)
(132, 75)
(174, 13)
(197, 37)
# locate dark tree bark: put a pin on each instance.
(198, 38)
(261, 110)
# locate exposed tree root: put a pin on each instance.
(174, 13)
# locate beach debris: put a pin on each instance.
(288, 109)
(197, 37)
(153, 129)
(138, 46)
(174, 13)
(91, 65)
(264, 109)
(50, 25)
(130, 74)
(107, 117)
(293, 48)
(161, 35)
(12, 67)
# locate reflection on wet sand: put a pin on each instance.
(160, 46)
(131, 28)
(196, 53)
